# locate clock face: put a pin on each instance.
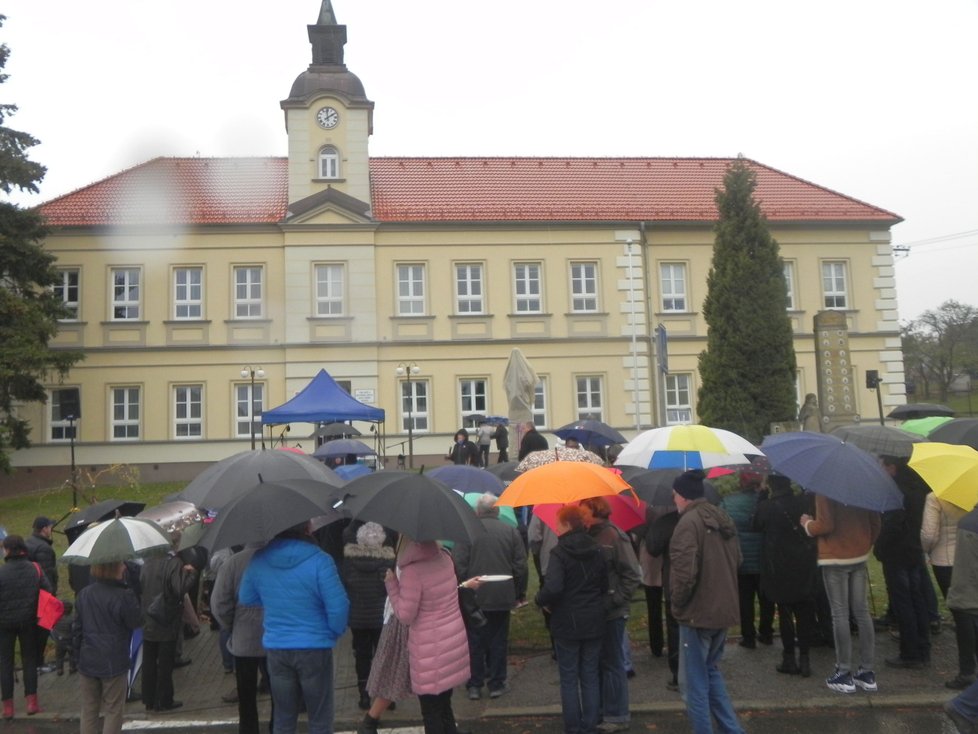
(327, 118)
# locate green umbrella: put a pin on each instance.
(506, 514)
(923, 426)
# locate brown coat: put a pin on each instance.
(845, 533)
(704, 556)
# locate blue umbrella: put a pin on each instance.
(343, 447)
(352, 471)
(826, 465)
(590, 433)
(468, 479)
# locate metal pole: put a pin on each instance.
(410, 420)
(879, 401)
(74, 470)
(252, 416)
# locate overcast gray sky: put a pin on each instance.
(873, 98)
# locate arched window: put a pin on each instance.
(329, 162)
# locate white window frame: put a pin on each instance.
(249, 291)
(672, 285)
(528, 287)
(68, 292)
(330, 289)
(59, 430)
(127, 294)
(539, 409)
(584, 286)
(248, 409)
(410, 283)
(473, 396)
(188, 294)
(188, 412)
(678, 398)
(835, 284)
(329, 162)
(125, 412)
(789, 283)
(416, 394)
(589, 393)
(469, 289)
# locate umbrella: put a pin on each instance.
(221, 482)
(919, 410)
(120, 539)
(962, 431)
(104, 510)
(590, 433)
(950, 470)
(497, 420)
(506, 514)
(687, 447)
(627, 512)
(654, 486)
(879, 440)
(468, 479)
(562, 482)
(558, 453)
(414, 504)
(343, 447)
(827, 465)
(335, 430)
(506, 471)
(349, 472)
(923, 426)
(266, 509)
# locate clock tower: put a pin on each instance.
(328, 119)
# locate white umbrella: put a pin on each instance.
(117, 540)
(686, 447)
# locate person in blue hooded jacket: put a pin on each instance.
(306, 612)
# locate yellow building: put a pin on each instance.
(184, 275)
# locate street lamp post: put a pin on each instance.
(252, 373)
(406, 370)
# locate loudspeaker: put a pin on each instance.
(70, 403)
(872, 379)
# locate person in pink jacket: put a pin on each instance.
(425, 599)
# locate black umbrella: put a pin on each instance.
(962, 431)
(879, 440)
(335, 430)
(220, 483)
(590, 433)
(919, 410)
(505, 471)
(655, 485)
(104, 510)
(266, 509)
(414, 504)
(343, 447)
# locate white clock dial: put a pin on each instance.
(327, 118)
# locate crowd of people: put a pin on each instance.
(424, 620)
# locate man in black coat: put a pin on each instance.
(40, 549)
(532, 440)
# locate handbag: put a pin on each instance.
(472, 615)
(49, 607)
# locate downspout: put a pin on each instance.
(647, 300)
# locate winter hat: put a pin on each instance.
(371, 534)
(689, 485)
(41, 522)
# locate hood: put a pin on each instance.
(578, 544)
(714, 518)
(289, 552)
(415, 552)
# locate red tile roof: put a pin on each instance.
(185, 191)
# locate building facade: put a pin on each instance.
(204, 290)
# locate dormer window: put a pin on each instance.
(329, 162)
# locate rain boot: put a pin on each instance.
(8, 709)
(368, 725)
(788, 664)
(32, 706)
(804, 666)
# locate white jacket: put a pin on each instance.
(939, 530)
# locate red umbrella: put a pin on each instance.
(627, 512)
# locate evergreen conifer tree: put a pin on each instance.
(29, 309)
(747, 372)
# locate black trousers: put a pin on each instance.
(653, 605)
(749, 586)
(364, 646)
(796, 622)
(26, 634)
(158, 660)
(436, 713)
(246, 676)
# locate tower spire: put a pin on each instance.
(326, 14)
(327, 37)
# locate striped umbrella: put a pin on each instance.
(117, 540)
